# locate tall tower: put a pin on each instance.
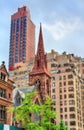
(22, 37)
(39, 75)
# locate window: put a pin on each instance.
(72, 116)
(9, 95)
(53, 97)
(60, 90)
(71, 109)
(60, 77)
(53, 65)
(2, 76)
(2, 93)
(66, 123)
(54, 71)
(61, 110)
(64, 83)
(65, 109)
(64, 89)
(61, 103)
(71, 95)
(70, 76)
(66, 64)
(68, 70)
(71, 102)
(65, 96)
(53, 84)
(53, 90)
(60, 96)
(70, 82)
(2, 112)
(61, 117)
(72, 123)
(65, 116)
(54, 103)
(71, 89)
(53, 78)
(65, 102)
(60, 84)
(72, 128)
(64, 77)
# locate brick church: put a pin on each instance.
(39, 76)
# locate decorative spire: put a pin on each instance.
(40, 65)
(40, 42)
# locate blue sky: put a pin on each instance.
(62, 23)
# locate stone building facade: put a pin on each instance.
(6, 95)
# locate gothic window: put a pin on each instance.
(38, 83)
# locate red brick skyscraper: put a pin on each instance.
(22, 37)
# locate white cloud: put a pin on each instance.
(60, 29)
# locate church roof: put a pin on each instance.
(23, 91)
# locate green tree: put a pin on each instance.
(62, 126)
(29, 108)
(64, 53)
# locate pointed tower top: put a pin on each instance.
(40, 65)
(40, 42)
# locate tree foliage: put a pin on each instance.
(45, 112)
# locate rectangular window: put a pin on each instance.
(60, 84)
(61, 110)
(53, 90)
(60, 77)
(70, 76)
(53, 84)
(65, 96)
(71, 102)
(61, 103)
(72, 109)
(70, 82)
(64, 77)
(65, 102)
(70, 89)
(53, 97)
(72, 116)
(60, 90)
(71, 95)
(64, 83)
(61, 117)
(72, 123)
(2, 93)
(53, 78)
(60, 96)
(65, 109)
(2, 112)
(64, 89)
(65, 116)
